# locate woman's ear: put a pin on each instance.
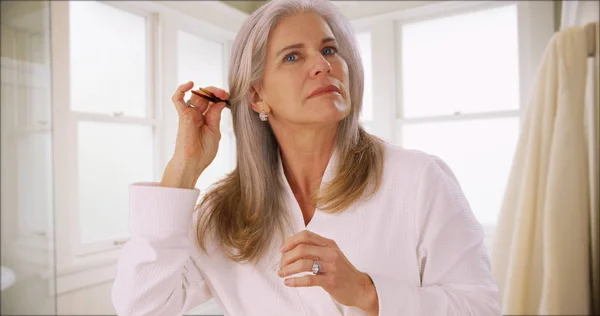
(257, 102)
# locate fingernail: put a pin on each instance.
(287, 281)
(281, 249)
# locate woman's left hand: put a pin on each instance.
(337, 275)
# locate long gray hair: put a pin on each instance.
(246, 209)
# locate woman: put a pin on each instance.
(319, 217)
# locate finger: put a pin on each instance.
(213, 116)
(177, 97)
(306, 237)
(302, 265)
(297, 266)
(219, 93)
(200, 119)
(307, 280)
(304, 251)
(201, 103)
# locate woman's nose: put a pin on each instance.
(320, 65)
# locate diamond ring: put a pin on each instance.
(316, 267)
(189, 103)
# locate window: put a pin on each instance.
(470, 60)
(111, 108)
(107, 163)
(108, 64)
(113, 119)
(460, 100)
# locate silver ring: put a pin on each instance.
(316, 268)
(189, 103)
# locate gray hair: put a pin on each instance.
(259, 206)
(255, 142)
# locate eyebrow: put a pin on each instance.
(300, 45)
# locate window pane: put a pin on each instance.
(199, 60)
(364, 46)
(107, 59)
(111, 157)
(479, 152)
(463, 63)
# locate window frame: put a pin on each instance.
(71, 118)
(535, 21)
(98, 259)
(535, 28)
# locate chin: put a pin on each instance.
(332, 112)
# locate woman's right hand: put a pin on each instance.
(198, 136)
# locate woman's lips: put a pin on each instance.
(323, 90)
(325, 93)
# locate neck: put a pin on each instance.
(305, 154)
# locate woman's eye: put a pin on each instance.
(330, 50)
(290, 57)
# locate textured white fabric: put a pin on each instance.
(541, 253)
(417, 239)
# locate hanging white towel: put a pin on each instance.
(540, 256)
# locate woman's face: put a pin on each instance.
(301, 58)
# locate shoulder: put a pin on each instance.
(425, 180)
(409, 161)
(415, 168)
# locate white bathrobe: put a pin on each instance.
(417, 239)
(541, 250)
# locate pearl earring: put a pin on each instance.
(263, 116)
